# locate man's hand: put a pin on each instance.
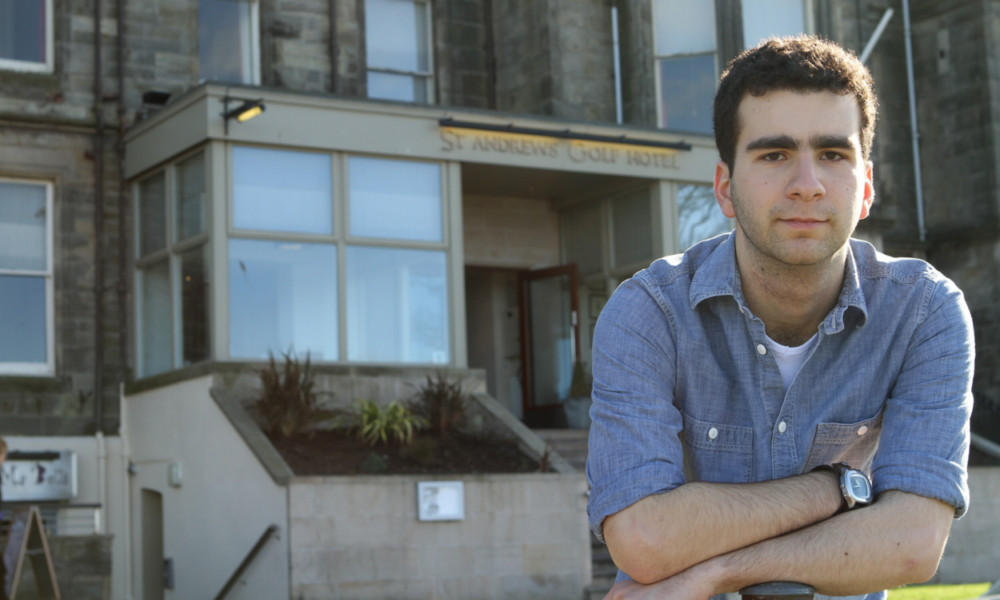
(693, 584)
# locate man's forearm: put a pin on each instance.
(665, 534)
(896, 541)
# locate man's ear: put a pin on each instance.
(869, 197)
(724, 189)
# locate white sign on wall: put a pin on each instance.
(35, 476)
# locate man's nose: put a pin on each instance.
(805, 183)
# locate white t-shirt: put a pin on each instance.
(790, 359)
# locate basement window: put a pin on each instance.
(26, 35)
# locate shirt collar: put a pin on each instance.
(717, 275)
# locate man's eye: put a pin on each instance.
(773, 156)
(832, 155)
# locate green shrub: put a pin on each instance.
(288, 403)
(393, 424)
(441, 403)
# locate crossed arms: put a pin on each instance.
(734, 535)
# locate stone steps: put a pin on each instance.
(570, 444)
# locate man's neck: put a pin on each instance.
(792, 301)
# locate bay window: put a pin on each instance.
(172, 259)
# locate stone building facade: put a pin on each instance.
(113, 93)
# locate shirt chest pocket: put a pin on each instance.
(717, 452)
(852, 443)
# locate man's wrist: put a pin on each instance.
(855, 486)
(832, 494)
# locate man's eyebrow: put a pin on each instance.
(782, 142)
(833, 141)
(787, 142)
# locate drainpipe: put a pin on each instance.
(617, 62)
(98, 224)
(334, 49)
(914, 131)
(123, 196)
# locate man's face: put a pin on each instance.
(799, 184)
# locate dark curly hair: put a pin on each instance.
(802, 63)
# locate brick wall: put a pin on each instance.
(510, 232)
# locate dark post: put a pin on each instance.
(778, 590)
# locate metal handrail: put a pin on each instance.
(264, 537)
(778, 590)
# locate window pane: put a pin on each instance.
(194, 306)
(397, 305)
(396, 35)
(22, 30)
(395, 199)
(684, 26)
(282, 298)
(632, 229)
(581, 228)
(190, 197)
(22, 328)
(391, 86)
(225, 40)
(766, 18)
(278, 190)
(23, 238)
(157, 348)
(699, 215)
(688, 86)
(152, 214)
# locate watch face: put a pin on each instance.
(859, 487)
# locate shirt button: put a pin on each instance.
(863, 430)
(761, 349)
(782, 427)
(713, 433)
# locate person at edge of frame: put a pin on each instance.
(737, 385)
(3, 565)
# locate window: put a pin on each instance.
(172, 268)
(397, 297)
(398, 49)
(283, 289)
(26, 330)
(686, 52)
(26, 35)
(361, 277)
(228, 47)
(611, 237)
(698, 214)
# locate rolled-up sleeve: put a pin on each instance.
(635, 449)
(924, 447)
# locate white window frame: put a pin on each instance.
(48, 368)
(251, 59)
(428, 75)
(47, 66)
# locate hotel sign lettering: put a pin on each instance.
(577, 151)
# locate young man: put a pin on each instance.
(739, 385)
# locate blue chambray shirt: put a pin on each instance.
(685, 388)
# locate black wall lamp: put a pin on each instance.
(246, 110)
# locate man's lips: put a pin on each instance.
(802, 222)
